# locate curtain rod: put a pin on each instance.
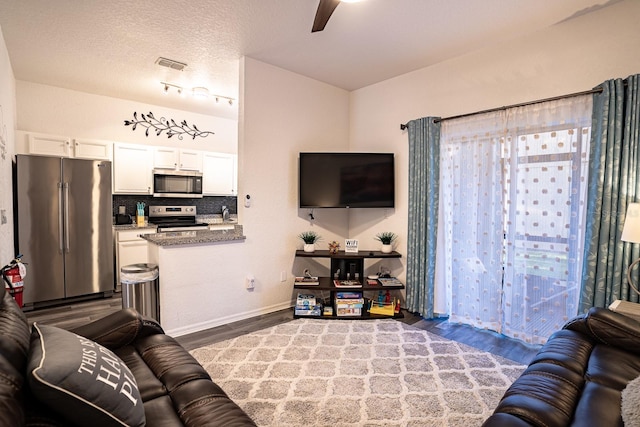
(403, 126)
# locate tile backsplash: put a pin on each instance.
(205, 206)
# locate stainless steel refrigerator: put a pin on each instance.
(64, 217)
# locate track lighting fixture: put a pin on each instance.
(168, 86)
(197, 92)
(200, 92)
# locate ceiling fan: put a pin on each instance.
(325, 9)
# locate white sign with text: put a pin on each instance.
(351, 246)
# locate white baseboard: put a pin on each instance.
(197, 327)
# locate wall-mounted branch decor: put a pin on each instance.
(172, 128)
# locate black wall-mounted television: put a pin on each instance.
(346, 180)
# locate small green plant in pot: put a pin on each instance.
(309, 238)
(386, 238)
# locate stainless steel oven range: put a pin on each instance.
(175, 218)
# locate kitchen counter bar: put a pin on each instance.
(132, 227)
(195, 237)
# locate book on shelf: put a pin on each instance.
(389, 281)
(307, 280)
(347, 284)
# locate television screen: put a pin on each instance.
(346, 180)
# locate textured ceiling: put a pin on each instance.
(110, 47)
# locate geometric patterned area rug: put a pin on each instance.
(341, 373)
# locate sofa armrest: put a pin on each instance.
(119, 329)
(609, 327)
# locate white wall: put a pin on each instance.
(57, 111)
(7, 136)
(282, 114)
(573, 56)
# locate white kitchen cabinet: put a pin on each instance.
(190, 160)
(92, 149)
(173, 158)
(165, 158)
(49, 145)
(131, 249)
(219, 174)
(43, 144)
(132, 168)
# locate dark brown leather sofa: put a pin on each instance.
(577, 377)
(174, 389)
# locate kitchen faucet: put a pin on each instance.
(225, 213)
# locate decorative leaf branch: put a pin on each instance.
(172, 128)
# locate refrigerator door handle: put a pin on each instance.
(60, 219)
(66, 216)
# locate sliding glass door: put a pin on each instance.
(513, 189)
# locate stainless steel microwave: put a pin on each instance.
(174, 183)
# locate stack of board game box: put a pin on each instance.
(308, 305)
(348, 303)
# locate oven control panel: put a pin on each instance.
(172, 211)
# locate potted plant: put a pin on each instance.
(386, 238)
(309, 238)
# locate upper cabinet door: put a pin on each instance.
(190, 160)
(61, 146)
(92, 149)
(219, 174)
(165, 158)
(132, 168)
(49, 145)
(172, 158)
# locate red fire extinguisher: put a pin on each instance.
(13, 275)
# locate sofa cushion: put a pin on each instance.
(82, 380)
(14, 347)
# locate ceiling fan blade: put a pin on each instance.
(325, 9)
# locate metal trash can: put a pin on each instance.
(140, 289)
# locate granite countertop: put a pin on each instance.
(132, 227)
(195, 237)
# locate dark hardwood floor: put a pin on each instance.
(69, 316)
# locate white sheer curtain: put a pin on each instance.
(513, 189)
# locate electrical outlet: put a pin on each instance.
(283, 276)
(250, 282)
